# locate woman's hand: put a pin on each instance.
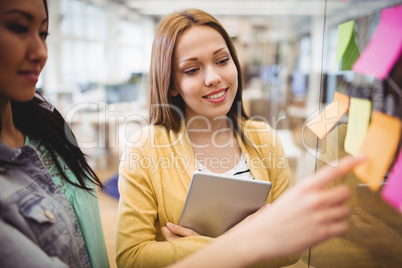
(303, 216)
(173, 231)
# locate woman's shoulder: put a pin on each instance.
(150, 135)
(254, 128)
(261, 135)
(252, 123)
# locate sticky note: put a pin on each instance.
(392, 191)
(327, 119)
(384, 48)
(347, 49)
(379, 145)
(359, 119)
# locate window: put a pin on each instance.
(83, 29)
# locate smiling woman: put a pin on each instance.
(205, 75)
(197, 122)
(48, 206)
(23, 50)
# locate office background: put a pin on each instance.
(99, 53)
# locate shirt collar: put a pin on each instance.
(8, 154)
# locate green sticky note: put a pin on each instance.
(350, 56)
(359, 118)
(347, 50)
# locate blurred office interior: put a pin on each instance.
(96, 75)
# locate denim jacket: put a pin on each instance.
(38, 226)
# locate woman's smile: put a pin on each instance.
(217, 96)
(205, 74)
(30, 75)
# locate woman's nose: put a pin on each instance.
(212, 77)
(37, 49)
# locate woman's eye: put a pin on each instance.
(224, 61)
(19, 29)
(191, 71)
(44, 34)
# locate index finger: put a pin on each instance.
(329, 174)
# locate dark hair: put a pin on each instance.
(39, 120)
(160, 79)
(47, 11)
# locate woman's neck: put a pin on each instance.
(217, 131)
(214, 143)
(202, 126)
(9, 134)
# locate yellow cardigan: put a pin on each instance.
(154, 176)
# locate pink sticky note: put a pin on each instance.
(384, 48)
(392, 191)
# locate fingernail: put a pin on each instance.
(169, 225)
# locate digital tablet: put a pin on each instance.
(215, 202)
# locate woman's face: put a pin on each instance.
(23, 50)
(204, 73)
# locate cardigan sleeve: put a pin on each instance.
(139, 242)
(267, 157)
(279, 172)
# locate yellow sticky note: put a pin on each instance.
(378, 146)
(359, 119)
(327, 119)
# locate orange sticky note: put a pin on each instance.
(327, 119)
(379, 147)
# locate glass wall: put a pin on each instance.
(296, 56)
(362, 68)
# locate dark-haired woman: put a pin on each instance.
(49, 215)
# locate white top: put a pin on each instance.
(241, 170)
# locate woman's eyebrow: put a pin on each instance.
(196, 58)
(23, 13)
(218, 50)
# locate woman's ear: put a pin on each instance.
(173, 92)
